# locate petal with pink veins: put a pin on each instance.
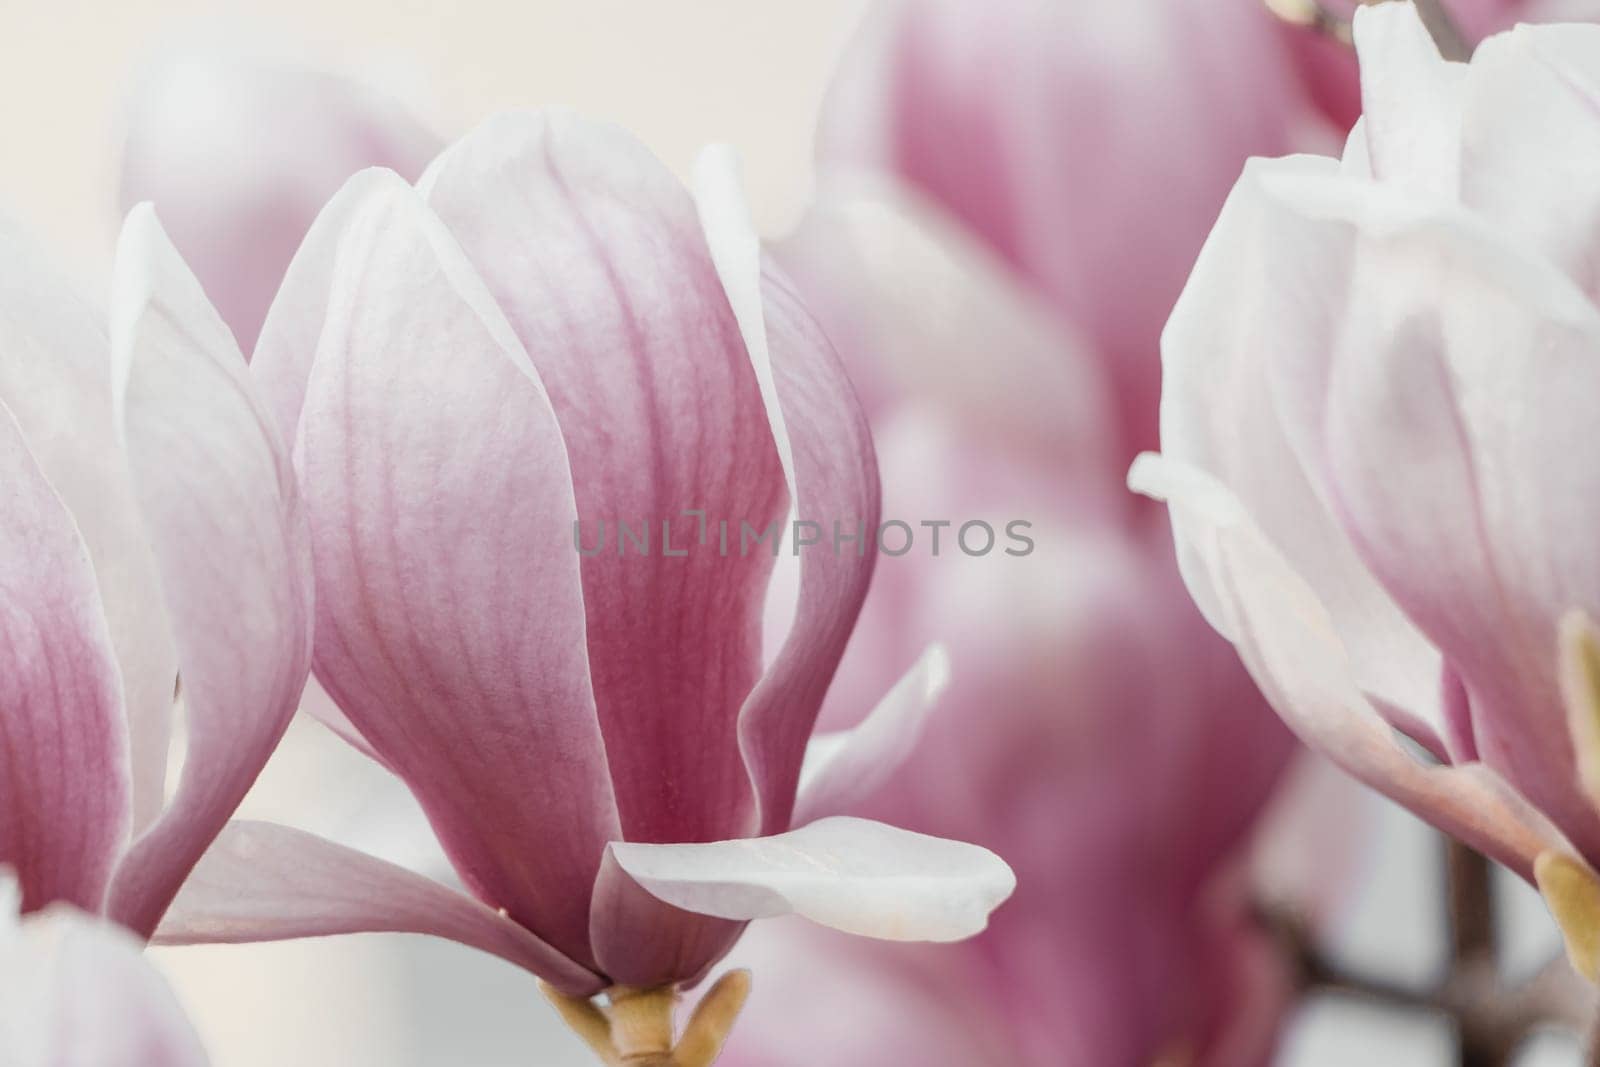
(832, 473)
(64, 795)
(450, 614)
(218, 497)
(265, 882)
(592, 248)
(54, 378)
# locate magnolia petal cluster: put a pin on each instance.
(548, 330)
(75, 991)
(1377, 443)
(153, 543)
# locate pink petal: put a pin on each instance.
(828, 461)
(265, 882)
(1222, 412)
(54, 379)
(64, 794)
(1088, 144)
(643, 942)
(239, 153)
(1453, 445)
(907, 296)
(220, 504)
(854, 875)
(592, 248)
(450, 613)
(77, 992)
(844, 768)
(1292, 648)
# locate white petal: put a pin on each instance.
(846, 767)
(1222, 412)
(55, 376)
(1290, 645)
(1411, 100)
(854, 875)
(76, 991)
(219, 499)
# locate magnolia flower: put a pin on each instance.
(77, 992)
(1377, 442)
(1086, 144)
(150, 539)
(540, 338)
(238, 153)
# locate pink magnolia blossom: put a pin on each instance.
(1087, 144)
(545, 335)
(1378, 445)
(76, 991)
(238, 153)
(152, 538)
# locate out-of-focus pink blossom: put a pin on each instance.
(75, 991)
(151, 537)
(484, 375)
(238, 153)
(1377, 435)
(1039, 175)
(1090, 711)
(1088, 144)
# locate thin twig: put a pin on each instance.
(1493, 1019)
(1469, 892)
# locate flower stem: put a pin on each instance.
(634, 1027)
(1493, 1018)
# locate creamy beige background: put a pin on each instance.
(677, 72)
